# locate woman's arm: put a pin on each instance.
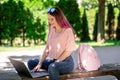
(45, 54)
(46, 51)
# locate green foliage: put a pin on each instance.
(27, 19)
(115, 3)
(9, 20)
(89, 4)
(49, 3)
(17, 20)
(85, 30)
(38, 9)
(37, 31)
(72, 12)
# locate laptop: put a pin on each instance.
(23, 71)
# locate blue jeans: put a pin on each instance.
(54, 68)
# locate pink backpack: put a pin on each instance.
(87, 58)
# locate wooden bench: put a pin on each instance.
(107, 69)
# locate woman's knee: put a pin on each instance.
(53, 71)
(52, 67)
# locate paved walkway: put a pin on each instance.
(106, 54)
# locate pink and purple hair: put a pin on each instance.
(60, 17)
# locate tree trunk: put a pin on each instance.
(11, 42)
(23, 37)
(101, 20)
(0, 42)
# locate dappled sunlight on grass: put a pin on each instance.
(8, 48)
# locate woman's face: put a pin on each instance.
(52, 21)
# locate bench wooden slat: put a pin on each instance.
(104, 70)
(91, 74)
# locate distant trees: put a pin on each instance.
(89, 4)
(10, 20)
(100, 6)
(95, 28)
(16, 20)
(111, 22)
(27, 19)
(36, 32)
(118, 28)
(118, 21)
(85, 30)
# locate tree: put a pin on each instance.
(9, 21)
(36, 32)
(39, 28)
(118, 28)
(101, 20)
(85, 30)
(20, 17)
(25, 20)
(72, 12)
(111, 22)
(95, 27)
(14, 20)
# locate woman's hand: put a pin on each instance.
(37, 68)
(57, 60)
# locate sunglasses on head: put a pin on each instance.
(51, 10)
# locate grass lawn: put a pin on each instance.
(106, 43)
(8, 48)
(92, 43)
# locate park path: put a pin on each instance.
(107, 55)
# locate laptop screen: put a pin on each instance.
(20, 67)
